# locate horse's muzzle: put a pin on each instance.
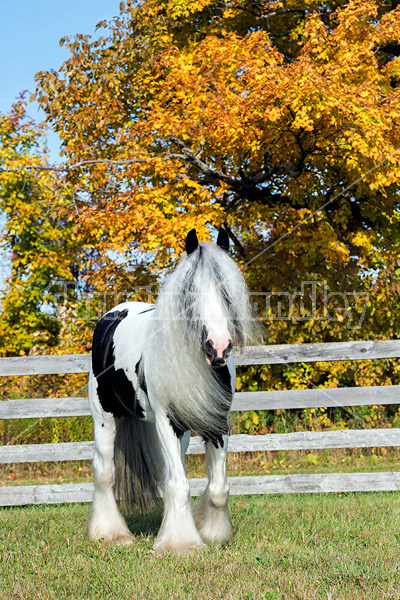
(213, 358)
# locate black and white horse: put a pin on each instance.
(159, 371)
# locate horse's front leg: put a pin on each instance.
(212, 513)
(178, 533)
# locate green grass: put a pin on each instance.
(337, 546)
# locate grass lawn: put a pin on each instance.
(330, 546)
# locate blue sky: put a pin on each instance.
(29, 42)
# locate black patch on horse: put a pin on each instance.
(140, 375)
(179, 426)
(147, 310)
(224, 379)
(116, 392)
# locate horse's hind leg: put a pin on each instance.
(105, 520)
(212, 513)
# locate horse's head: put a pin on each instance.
(216, 340)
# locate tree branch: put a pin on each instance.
(75, 166)
(235, 240)
(390, 49)
(193, 159)
(245, 187)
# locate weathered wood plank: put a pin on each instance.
(251, 355)
(315, 483)
(314, 398)
(311, 398)
(290, 353)
(38, 408)
(47, 452)
(304, 440)
(45, 365)
(45, 494)
(259, 484)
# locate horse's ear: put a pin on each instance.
(191, 242)
(223, 240)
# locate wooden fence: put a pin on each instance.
(285, 399)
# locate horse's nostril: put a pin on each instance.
(228, 349)
(209, 350)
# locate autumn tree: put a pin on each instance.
(36, 237)
(278, 120)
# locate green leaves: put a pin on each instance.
(35, 234)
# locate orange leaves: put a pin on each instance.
(214, 88)
(252, 117)
(315, 39)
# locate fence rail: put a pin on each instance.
(38, 408)
(302, 440)
(271, 400)
(240, 486)
(251, 355)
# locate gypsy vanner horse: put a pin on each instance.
(159, 371)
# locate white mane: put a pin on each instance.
(205, 283)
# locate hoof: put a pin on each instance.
(222, 539)
(124, 540)
(216, 528)
(116, 539)
(178, 549)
